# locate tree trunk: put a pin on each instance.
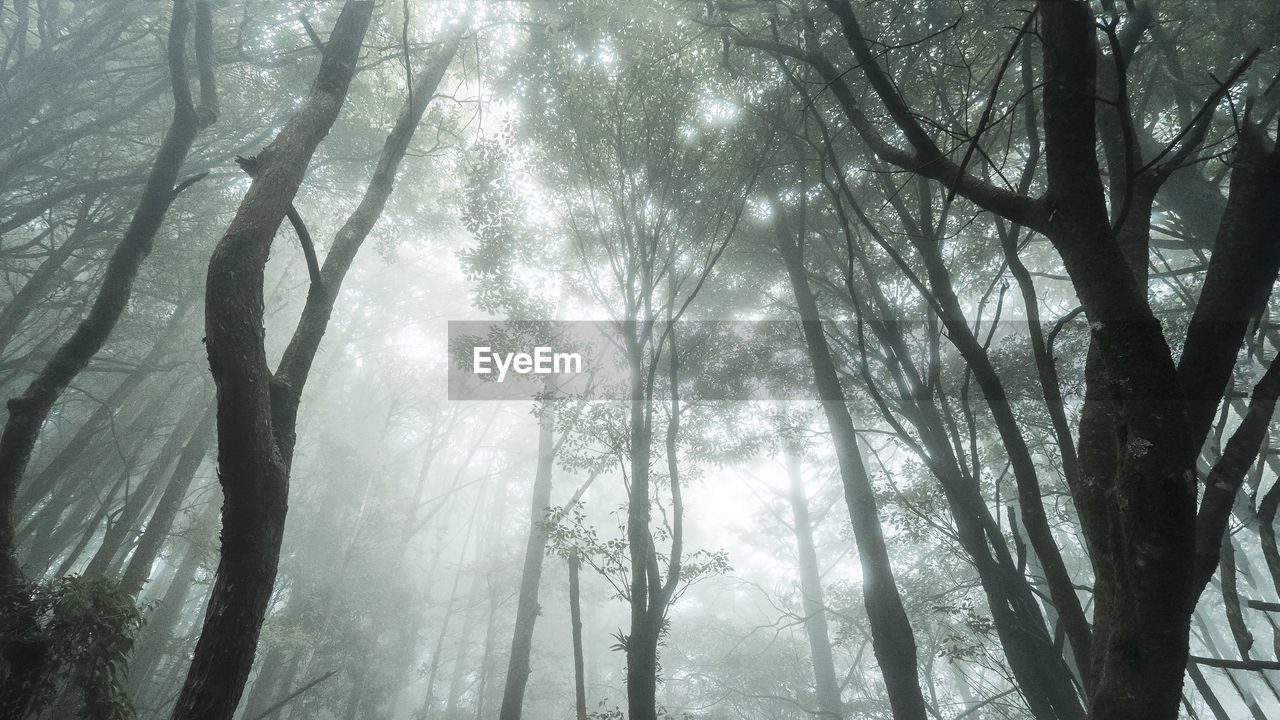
(650, 592)
(1035, 661)
(575, 625)
(162, 622)
(642, 641)
(152, 539)
(257, 410)
(103, 561)
(893, 641)
(253, 452)
(518, 667)
(830, 706)
(90, 433)
(22, 648)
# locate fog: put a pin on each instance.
(697, 361)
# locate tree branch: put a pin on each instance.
(1228, 473)
(1236, 664)
(1033, 213)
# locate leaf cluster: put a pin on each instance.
(90, 627)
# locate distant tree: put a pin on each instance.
(643, 191)
(24, 647)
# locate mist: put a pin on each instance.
(594, 361)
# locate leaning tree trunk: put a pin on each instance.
(148, 545)
(257, 410)
(252, 466)
(22, 649)
(102, 563)
(518, 667)
(892, 639)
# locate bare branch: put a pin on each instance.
(1228, 473)
(1236, 664)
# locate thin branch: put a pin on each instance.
(991, 102)
(277, 707)
(187, 183)
(311, 32)
(1236, 664)
(1195, 131)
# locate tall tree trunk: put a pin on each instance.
(60, 469)
(1036, 662)
(257, 409)
(892, 638)
(812, 603)
(518, 667)
(162, 622)
(575, 629)
(152, 539)
(254, 445)
(642, 641)
(102, 562)
(101, 497)
(650, 591)
(451, 608)
(1137, 448)
(486, 654)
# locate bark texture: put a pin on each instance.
(518, 665)
(257, 409)
(253, 463)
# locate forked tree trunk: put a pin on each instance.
(257, 409)
(253, 464)
(652, 586)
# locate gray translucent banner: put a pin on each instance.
(716, 360)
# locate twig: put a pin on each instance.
(186, 184)
(276, 708)
(311, 33)
(1236, 664)
(991, 101)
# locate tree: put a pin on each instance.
(257, 409)
(815, 611)
(645, 203)
(24, 648)
(1147, 411)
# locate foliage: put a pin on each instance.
(569, 531)
(90, 627)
